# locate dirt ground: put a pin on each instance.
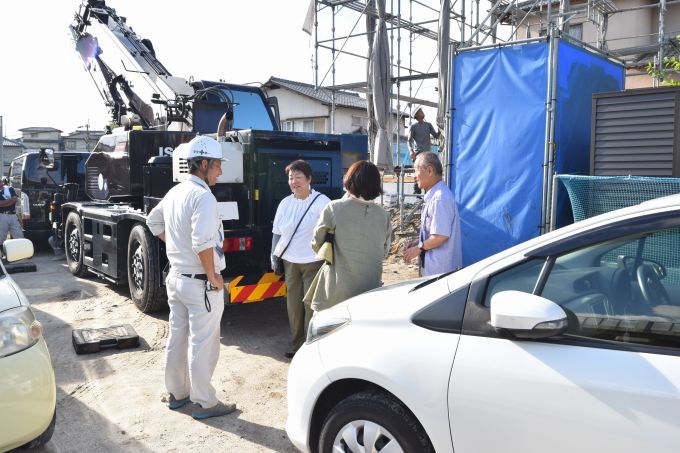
(111, 401)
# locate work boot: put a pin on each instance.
(174, 403)
(217, 410)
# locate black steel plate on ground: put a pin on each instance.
(16, 268)
(86, 341)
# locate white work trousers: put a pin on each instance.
(194, 340)
(9, 223)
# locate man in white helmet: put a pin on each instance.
(187, 220)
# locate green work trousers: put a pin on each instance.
(299, 278)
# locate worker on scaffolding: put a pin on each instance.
(419, 138)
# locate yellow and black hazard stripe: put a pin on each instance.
(267, 286)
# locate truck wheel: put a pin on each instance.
(143, 272)
(74, 245)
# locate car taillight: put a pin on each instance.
(25, 206)
(237, 244)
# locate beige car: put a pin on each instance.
(27, 385)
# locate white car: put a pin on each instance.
(569, 342)
(28, 390)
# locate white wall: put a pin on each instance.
(294, 105)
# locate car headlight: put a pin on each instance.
(19, 330)
(326, 321)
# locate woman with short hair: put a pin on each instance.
(300, 209)
(362, 237)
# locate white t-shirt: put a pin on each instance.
(287, 216)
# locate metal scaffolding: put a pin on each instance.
(474, 23)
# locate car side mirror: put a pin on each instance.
(526, 316)
(17, 249)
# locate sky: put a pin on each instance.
(43, 81)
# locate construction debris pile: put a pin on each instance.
(407, 233)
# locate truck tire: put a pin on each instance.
(73, 245)
(144, 274)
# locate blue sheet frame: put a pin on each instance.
(498, 136)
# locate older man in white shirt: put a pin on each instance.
(187, 220)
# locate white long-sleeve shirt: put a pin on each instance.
(189, 218)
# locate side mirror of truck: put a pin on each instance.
(47, 158)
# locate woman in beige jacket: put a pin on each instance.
(362, 237)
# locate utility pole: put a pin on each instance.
(87, 134)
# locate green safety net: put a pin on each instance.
(594, 195)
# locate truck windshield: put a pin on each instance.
(65, 170)
(250, 111)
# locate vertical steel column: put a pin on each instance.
(449, 119)
(316, 44)
(548, 158)
(398, 125)
(553, 202)
(333, 70)
(462, 18)
(662, 38)
(477, 20)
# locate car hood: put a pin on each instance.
(398, 301)
(8, 294)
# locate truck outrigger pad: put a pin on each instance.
(86, 341)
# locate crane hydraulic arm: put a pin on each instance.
(123, 65)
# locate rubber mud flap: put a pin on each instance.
(86, 341)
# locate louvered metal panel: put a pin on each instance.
(635, 132)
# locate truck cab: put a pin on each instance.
(37, 175)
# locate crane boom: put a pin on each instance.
(123, 65)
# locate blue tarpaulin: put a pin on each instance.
(498, 135)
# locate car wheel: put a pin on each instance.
(44, 437)
(73, 233)
(143, 273)
(372, 421)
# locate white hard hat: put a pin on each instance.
(201, 147)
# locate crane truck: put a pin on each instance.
(132, 167)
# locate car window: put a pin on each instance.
(15, 172)
(625, 290)
(521, 277)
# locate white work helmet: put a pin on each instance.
(201, 147)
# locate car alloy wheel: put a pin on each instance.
(363, 436)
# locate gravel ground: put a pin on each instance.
(111, 401)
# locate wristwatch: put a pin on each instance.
(421, 246)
